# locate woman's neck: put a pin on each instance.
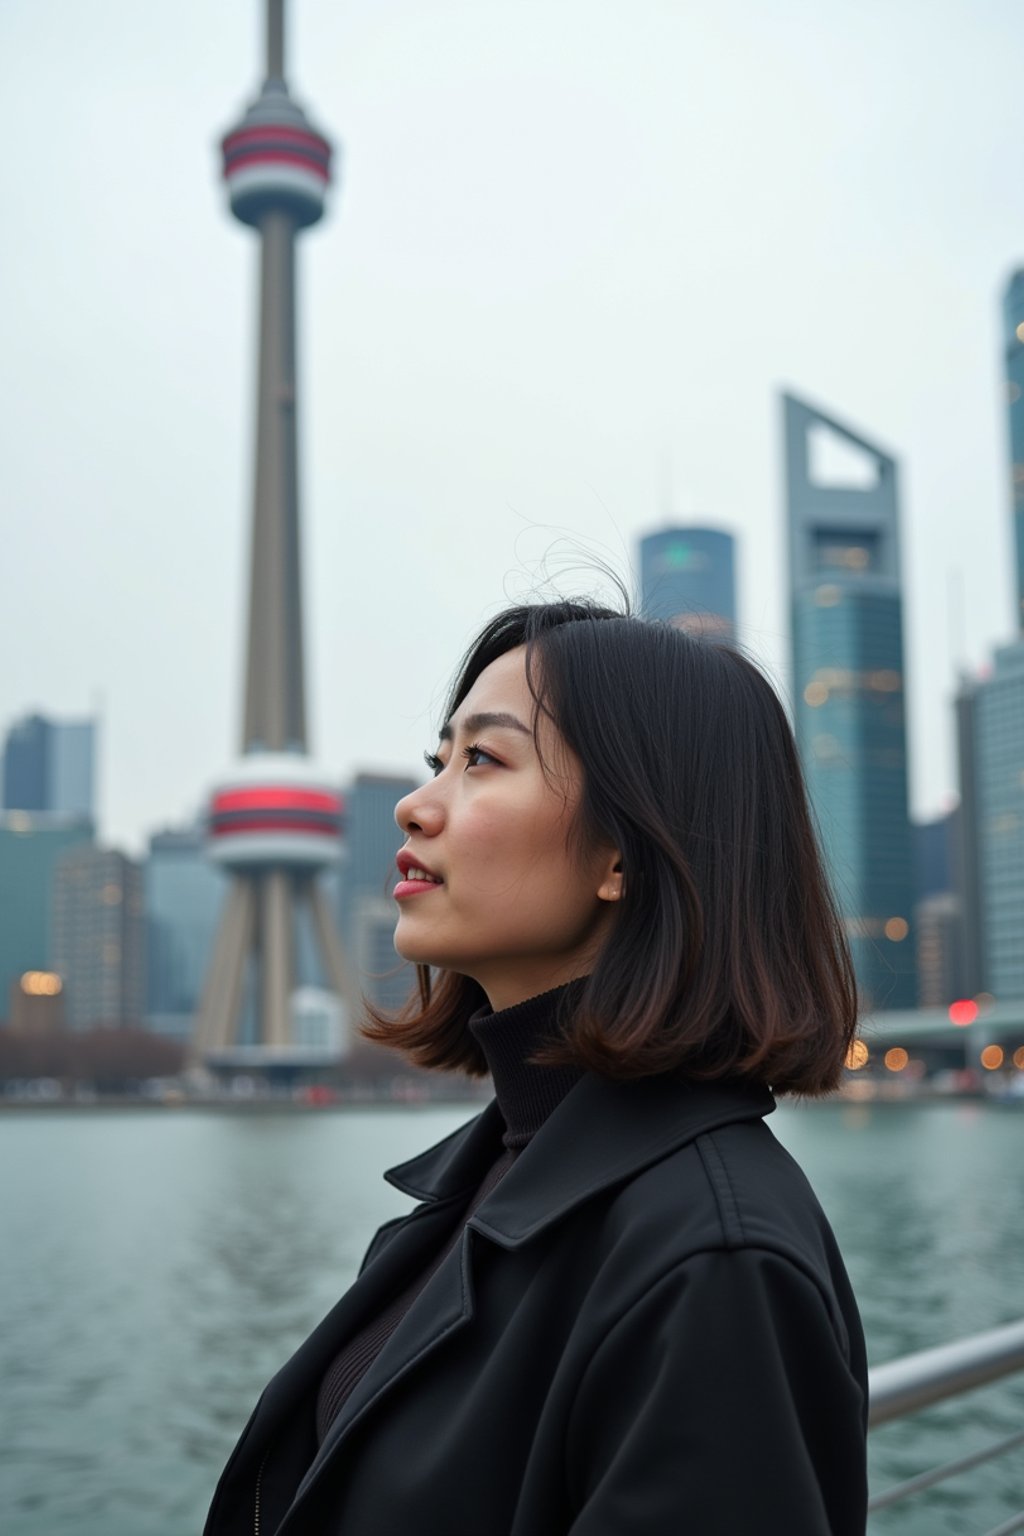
(526, 1093)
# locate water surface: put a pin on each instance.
(157, 1267)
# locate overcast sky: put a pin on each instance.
(576, 248)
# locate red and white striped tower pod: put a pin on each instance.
(274, 159)
(275, 809)
(275, 819)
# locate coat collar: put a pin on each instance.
(602, 1133)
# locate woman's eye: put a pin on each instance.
(474, 754)
(433, 762)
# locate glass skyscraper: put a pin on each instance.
(30, 845)
(184, 894)
(49, 765)
(26, 759)
(688, 578)
(990, 717)
(99, 937)
(367, 915)
(1013, 335)
(848, 693)
(990, 740)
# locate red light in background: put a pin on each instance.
(964, 1011)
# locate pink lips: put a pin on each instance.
(406, 888)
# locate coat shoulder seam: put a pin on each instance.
(726, 1202)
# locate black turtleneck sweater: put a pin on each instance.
(526, 1095)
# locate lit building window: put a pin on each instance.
(41, 984)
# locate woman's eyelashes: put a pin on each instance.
(472, 755)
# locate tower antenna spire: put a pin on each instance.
(275, 39)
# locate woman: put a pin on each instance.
(618, 1306)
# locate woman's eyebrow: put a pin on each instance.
(487, 720)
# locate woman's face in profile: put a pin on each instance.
(511, 904)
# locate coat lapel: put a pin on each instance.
(443, 1307)
(460, 1162)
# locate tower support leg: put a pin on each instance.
(217, 1022)
(278, 960)
(331, 951)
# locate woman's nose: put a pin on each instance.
(420, 811)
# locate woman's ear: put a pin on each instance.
(611, 886)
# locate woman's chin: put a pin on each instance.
(406, 948)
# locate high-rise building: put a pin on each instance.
(26, 765)
(990, 745)
(184, 894)
(30, 845)
(688, 578)
(990, 712)
(1013, 335)
(73, 768)
(848, 693)
(49, 765)
(275, 820)
(933, 854)
(966, 871)
(367, 875)
(938, 912)
(99, 938)
(938, 931)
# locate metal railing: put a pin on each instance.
(901, 1387)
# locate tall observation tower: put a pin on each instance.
(275, 820)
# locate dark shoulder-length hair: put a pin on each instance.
(727, 955)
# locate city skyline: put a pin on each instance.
(463, 414)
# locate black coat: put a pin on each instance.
(645, 1329)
